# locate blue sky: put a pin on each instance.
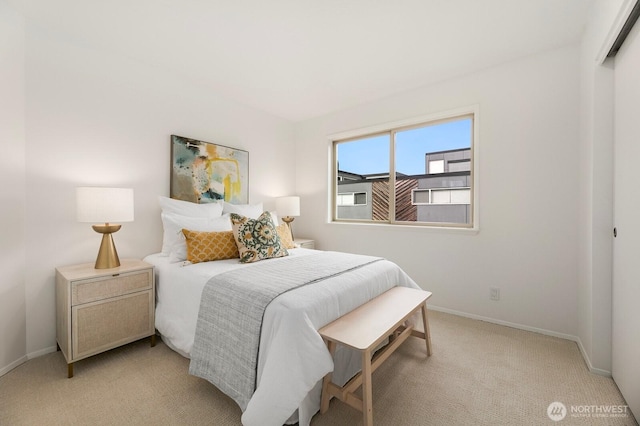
(371, 155)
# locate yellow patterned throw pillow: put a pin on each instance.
(284, 232)
(208, 246)
(256, 239)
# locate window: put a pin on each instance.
(418, 172)
(352, 199)
(441, 196)
(459, 165)
(436, 166)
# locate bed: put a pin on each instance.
(292, 358)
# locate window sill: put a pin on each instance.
(411, 228)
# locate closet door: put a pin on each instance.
(626, 258)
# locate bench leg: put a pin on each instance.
(367, 394)
(425, 324)
(324, 402)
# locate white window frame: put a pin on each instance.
(473, 110)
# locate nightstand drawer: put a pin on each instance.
(86, 291)
(103, 325)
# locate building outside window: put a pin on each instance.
(429, 165)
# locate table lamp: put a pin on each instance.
(105, 206)
(287, 208)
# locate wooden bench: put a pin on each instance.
(364, 329)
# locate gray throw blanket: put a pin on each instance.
(227, 339)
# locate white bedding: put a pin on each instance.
(288, 378)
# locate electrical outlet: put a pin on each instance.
(494, 293)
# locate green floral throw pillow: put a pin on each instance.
(257, 239)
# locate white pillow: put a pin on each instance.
(186, 208)
(173, 242)
(252, 211)
(179, 247)
(274, 217)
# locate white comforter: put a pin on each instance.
(288, 379)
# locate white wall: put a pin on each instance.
(528, 240)
(97, 119)
(12, 196)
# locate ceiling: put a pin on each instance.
(299, 59)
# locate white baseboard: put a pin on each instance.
(576, 339)
(585, 355)
(41, 352)
(4, 370)
(14, 364)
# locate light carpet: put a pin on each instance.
(479, 374)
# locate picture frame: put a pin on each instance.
(205, 172)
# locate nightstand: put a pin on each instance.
(305, 243)
(101, 309)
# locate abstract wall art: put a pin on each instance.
(203, 172)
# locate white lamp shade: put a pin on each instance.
(104, 205)
(288, 206)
